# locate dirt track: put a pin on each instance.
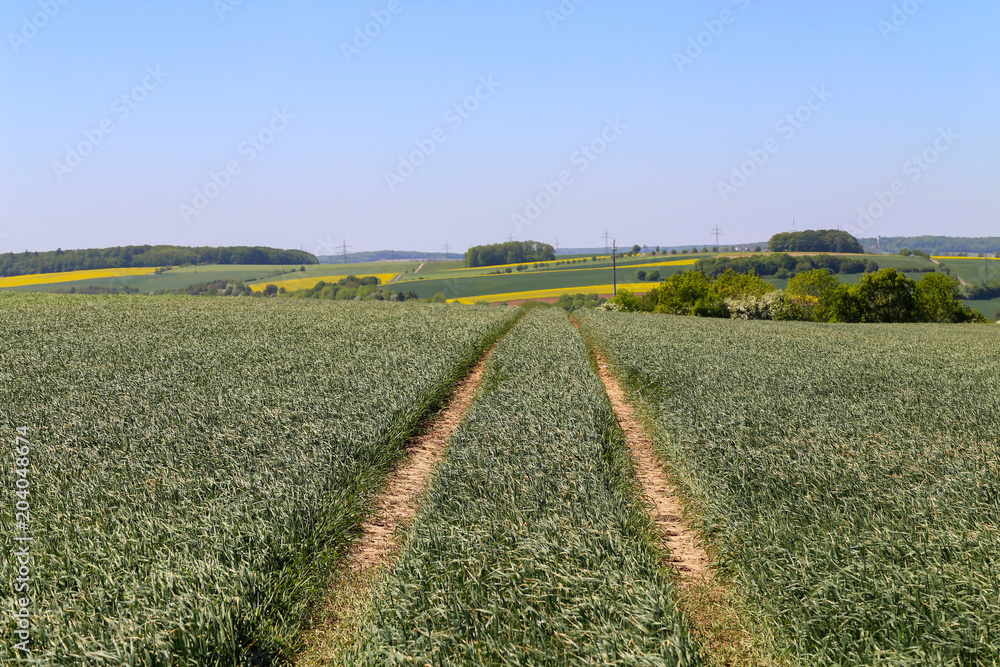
(686, 553)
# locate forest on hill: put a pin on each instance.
(123, 257)
(822, 240)
(935, 245)
(512, 252)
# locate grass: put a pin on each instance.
(847, 476)
(199, 466)
(533, 546)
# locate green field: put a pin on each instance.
(478, 282)
(533, 546)
(453, 281)
(197, 467)
(972, 269)
(846, 476)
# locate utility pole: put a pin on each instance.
(343, 250)
(614, 266)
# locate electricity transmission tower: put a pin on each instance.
(717, 233)
(343, 250)
(606, 236)
(447, 249)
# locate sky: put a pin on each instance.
(424, 124)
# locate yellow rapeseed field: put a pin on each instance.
(293, 284)
(548, 293)
(69, 276)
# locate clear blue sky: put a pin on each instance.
(666, 122)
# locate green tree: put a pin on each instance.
(636, 249)
(939, 300)
(887, 296)
(732, 285)
(689, 293)
(905, 252)
(842, 305)
(627, 301)
(809, 293)
(814, 284)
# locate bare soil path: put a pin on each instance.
(397, 505)
(394, 510)
(687, 556)
(730, 636)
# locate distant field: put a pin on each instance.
(457, 283)
(181, 277)
(972, 269)
(48, 278)
(604, 290)
(293, 284)
(170, 280)
(580, 277)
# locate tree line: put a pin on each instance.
(122, 257)
(816, 295)
(511, 252)
(782, 265)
